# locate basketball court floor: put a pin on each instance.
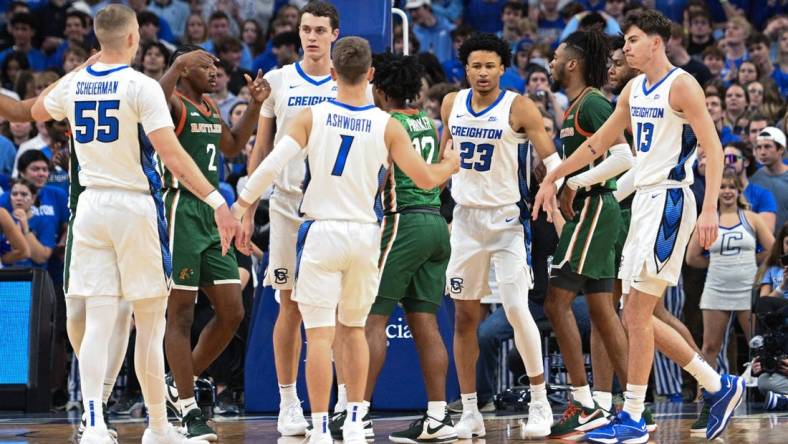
(750, 425)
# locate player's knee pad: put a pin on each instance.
(75, 309)
(353, 317)
(315, 316)
(650, 285)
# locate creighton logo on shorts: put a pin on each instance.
(456, 285)
(280, 275)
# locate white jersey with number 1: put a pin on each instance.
(346, 160)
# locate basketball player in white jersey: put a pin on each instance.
(348, 142)
(294, 88)
(666, 110)
(119, 242)
(490, 126)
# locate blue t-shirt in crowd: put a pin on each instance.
(453, 70)
(266, 60)
(760, 199)
(727, 136)
(484, 15)
(45, 231)
(511, 80)
(780, 78)
(436, 39)
(7, 156)
(774, 278)
(52, 203)
(246, 54)
(549, 30)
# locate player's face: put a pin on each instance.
(638, 48)
(204, 78)
(619, 72)
(484, 70)
(734, 158)
(21, 197)
(558, 65)
(316, 36)
(37, 172)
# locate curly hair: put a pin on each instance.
(399, 77)
(485, 42)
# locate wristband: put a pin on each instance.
(551, 162)
(214, 199)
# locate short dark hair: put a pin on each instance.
(24, 18)
(757, 38)
(757, 117)
(228, 44)
(218, 15)
(183, 49)
(712, 51)
(514, 5)
(24, 182)
(321, 9)
(398, 76)
(532, 69)
(148, 18)
(165, 52)
(485, 42)
(463, 30)
(29, 157)
(286, 38)
(616, 42)
(649, 21)
(83, 18)
(592, 20)
(352, 58)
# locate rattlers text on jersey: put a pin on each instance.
(292, 90)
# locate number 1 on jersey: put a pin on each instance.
(344, 149)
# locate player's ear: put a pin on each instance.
(334, 35)
(333, 74)
(370, 74)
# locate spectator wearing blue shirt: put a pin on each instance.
(550, 22)
(780, 74)
(512, 16)
(586, 20)
(452, 68)
(52, 202)
(737, 30)
(23, 28)
(77, 30)
(267, 60)
(219, 29)
(450, 9)
(39, 231)
(714, 106)
(433, 32)
(7, 156)
(739, 157)
(773, 282)
(484, 15)
(175, 12)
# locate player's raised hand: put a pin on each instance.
(451, 157)
(197, 58)
(707, 226)
(545, 199)
(228, 227)
(259, 87)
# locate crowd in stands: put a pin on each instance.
(736, 49)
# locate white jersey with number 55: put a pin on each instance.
(111, 109)
(346, 162)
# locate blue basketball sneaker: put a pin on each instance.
(622, 429)
(722, 404)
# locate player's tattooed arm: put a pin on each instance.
(234, 140)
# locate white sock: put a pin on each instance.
(94, 413)
(538, 392)
(287, 394)
(436, 409)
(157, 417)
(604, 399)
(355, 412)
(108, 386)
(469, 401)
(634, 400)
(341, 404)
(320, 423)
(704, 374)
(187, 404)
(583, 396)
(366, 405)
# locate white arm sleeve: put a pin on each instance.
(551, 162)
(625, 185)
(272, 166)
(619, 160)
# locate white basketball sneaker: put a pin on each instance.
(540, 420)
(170, 436)
(470, 425)
(93, 435)
(291, 421)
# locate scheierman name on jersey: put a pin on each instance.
(349, 123)
(306, 100)
(92, 88)
(647, 112)
(476, 133)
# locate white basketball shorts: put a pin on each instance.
(662, 223)
(285, 221)
(118, 246)
(337, 269)
(482, 235)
